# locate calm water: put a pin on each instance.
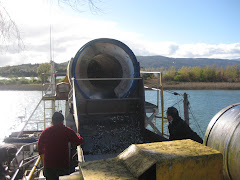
(20, 103)
(204, 105)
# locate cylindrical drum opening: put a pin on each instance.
(104, 66)
(105, 59)
(223, 134)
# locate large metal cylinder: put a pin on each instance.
(223, 134)
(105, 58)
(108, 99)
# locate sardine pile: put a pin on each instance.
(108, 135)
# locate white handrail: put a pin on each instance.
(105, 79)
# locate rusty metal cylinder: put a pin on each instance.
(223, 134)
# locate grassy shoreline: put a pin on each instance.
(194, 85)
(149, 83)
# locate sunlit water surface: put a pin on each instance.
(204, 104)
(15, 104)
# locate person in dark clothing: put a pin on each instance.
(53, 145)
(178, 128)
(7, 153)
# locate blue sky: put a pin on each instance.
(181, 21)
(172, 28)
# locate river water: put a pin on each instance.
(204, 104)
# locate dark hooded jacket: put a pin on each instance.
(179, 129)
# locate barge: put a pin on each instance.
(105, 104)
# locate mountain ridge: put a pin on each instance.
(167, 62)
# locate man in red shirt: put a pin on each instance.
(53, 144)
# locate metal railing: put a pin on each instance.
(20, 133)
(24, 161)
(79, 148)
(154, 116)
(34, 168)
(160, 99)
(44, 94)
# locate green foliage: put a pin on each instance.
(198, 74)
(148, 75)
(230, 73)
(183, 74)
(206, 74)
(171, 74)
(25, 70)
(23, 81)
(44, 71)
(28, 70)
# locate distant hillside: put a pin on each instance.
(28, 70)
(161, 61)
(145, 62)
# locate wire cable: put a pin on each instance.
(172, 92)
(196, 123)
(175, 104)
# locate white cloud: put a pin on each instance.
(223, 51)
(70, 32)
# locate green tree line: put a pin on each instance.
(28, 70)
(43, 73)
(186, 74)
(199, 74)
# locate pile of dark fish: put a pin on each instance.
(108, 135)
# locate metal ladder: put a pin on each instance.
(49, 95)
(47, 114)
